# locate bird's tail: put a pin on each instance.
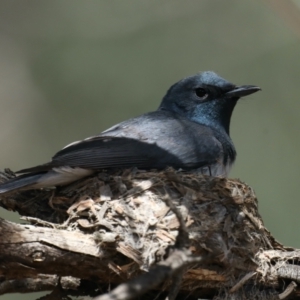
(20, 182)
(36, 180)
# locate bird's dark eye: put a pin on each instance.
(201, 93)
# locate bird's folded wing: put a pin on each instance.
(102, 152)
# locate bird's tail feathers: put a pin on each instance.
(20, 182)
(54, 177)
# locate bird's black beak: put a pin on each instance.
(242, 91)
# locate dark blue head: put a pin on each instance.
(205, 98)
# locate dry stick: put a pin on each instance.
(289, 272)
(26, 285)
(288, 291)
(39, 284)
(242, 282)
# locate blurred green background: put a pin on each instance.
(70, 69)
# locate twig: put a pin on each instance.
(242, 282)
(288, 291)
(41, 283)
(289, 272)
(37, 221)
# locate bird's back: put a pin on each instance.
(158, 139)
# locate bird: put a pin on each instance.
(189, 131)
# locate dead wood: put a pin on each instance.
(161, 235)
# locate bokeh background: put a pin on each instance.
(70, 69)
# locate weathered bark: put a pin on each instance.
(158, 233)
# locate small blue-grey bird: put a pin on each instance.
(189, 131)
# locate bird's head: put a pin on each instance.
(205, 98)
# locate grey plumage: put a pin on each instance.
(190, 130)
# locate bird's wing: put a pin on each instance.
(152, 142)
(108, 152)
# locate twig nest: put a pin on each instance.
(128, 215)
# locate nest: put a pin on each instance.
(136, 217)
